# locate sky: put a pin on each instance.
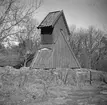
(81, 13)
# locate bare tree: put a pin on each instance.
(16, 23)
(85, 44)
(28, 40)
(13, 14)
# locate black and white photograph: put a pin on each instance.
(53, 52)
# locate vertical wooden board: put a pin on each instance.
(62, 56)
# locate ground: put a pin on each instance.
(76, 97)
(39, 87)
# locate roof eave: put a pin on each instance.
(39, 27)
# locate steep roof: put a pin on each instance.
(51, 19)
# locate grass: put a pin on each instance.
(50, 87)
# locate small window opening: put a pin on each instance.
(46, 30)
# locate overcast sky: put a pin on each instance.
(82, 13)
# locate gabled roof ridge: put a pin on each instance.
(54, 11)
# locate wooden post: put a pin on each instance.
(90, 77)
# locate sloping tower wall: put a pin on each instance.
(63, 55)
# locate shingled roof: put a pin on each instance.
(51, 19)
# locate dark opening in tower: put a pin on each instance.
(46, 35)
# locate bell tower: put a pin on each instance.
(55, 51)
